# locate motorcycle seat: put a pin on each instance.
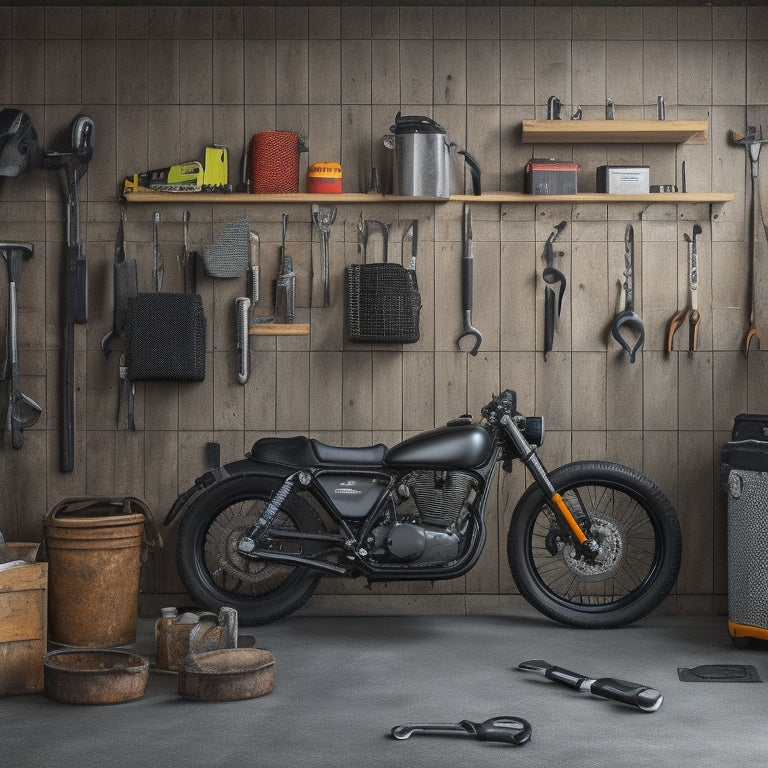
(334, 454)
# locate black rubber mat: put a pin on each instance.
(719, 673)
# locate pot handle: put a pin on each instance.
(474, 170)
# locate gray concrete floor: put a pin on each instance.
(341, 684)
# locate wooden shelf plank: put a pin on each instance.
(601, 197)
(614, 131)
(491, 197)
(279, 329)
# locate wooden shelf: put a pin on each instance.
(279, 329)
(601, 197)
(291, 197)
(614, 131)
(492, 197)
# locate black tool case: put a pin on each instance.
(165, 337)
(744, 474)
(381, 303)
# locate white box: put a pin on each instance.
(624, 179)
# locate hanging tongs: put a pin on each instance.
(552, 276)
(627, 319)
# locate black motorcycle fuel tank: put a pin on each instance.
(453, 447)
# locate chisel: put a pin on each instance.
(633, 694)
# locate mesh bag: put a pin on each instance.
(381, 303)
(165, 337)
(275, 162)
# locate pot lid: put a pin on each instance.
(415, 124)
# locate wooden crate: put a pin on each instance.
(23, 627)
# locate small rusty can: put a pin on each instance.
(229, 674)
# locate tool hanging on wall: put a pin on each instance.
(15, 254)
(552, 276)
(285, 286)
(467, 269)
(410, 236)
(628, 319)
(157, 259)
(323, 219)
(74, 163)
(242, 308)
(759, 240)
(691, 311)
(229, 256)
(124, 284)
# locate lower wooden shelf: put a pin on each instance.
(279, 329)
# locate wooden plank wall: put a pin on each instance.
(161, 84)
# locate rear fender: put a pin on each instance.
(240, 468)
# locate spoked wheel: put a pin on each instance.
(640, 543)
(216, 573)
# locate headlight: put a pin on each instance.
(534, 429)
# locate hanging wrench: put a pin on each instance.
(466, 284)
(15, 254)
(758, 251)
(691, 311)
(324, 218)
(627, 317)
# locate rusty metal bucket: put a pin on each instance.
(94, 549)
(229, 674)
(75, 676)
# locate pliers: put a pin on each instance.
(691, 311)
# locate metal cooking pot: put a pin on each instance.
(422, 160)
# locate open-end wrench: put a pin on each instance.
(634, 695)
(627, 318)
(466, 284)
(758, 251)
(507, 729)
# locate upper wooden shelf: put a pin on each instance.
(614, 131)
(490, 197)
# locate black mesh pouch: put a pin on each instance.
(165, 337)
(381, 304)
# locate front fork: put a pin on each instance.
(586, 544)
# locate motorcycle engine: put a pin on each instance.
(429, 524)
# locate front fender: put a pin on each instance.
(240, 468)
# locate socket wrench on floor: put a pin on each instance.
(507, 729)
(633, 694)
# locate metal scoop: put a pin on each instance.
(510, 730)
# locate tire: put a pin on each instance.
(640, 547)
(216, 574)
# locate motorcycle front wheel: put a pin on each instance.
(215, 573)
(634, 524)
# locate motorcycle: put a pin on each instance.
(592, 544)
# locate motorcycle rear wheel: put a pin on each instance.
(640, 542)
(215, 573)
